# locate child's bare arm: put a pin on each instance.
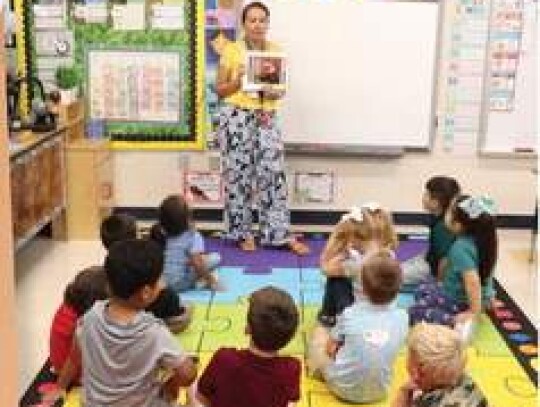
(333, 266)
(332, 347)
(183, 376)
(198, 264)
(67, 375)
(471, 281)
(441, 265)
(404, 396)
(202, 399)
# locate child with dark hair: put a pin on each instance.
(356, 356)
(87, 287)
(467, 286)
(439, 193)
(167, 306)
(117, 227)
(257, 376)
(186, 264)
(129, 357)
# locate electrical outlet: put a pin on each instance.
(214, 163)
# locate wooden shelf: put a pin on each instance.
(90, 187)
(37, 183)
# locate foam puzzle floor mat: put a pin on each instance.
(502, 358)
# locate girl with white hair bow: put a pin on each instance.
(362, 230)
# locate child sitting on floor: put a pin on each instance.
(129, 357)
(355, 358)
(439, 193)
(467, 286)
(186, 265)
(87, 287)
(257, 376)
(167, 306)
(361, 231)
(436, 364)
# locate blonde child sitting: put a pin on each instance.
(355, 358)
(363, 230)
(436, 364)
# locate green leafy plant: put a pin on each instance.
(67, 77)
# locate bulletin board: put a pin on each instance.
(139, 64)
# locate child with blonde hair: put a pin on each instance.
(363, 230)
(356, 357)
(436, 364)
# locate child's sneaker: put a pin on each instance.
(465, 330)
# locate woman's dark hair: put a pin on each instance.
(252, 5)
(86, 288)
(174, 215)
(484, 233)
(443, 189)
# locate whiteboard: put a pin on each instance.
(360, 73)
(516, 130)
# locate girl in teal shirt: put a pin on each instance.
(439, 192)
(466, 287)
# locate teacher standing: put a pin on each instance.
(251, 144)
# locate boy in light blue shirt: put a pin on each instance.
(355, 358)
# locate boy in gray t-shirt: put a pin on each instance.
(129, 357)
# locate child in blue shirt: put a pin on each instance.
(186, 265)
(355, 358)
(466, 288)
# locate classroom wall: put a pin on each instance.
(8, 336)
(144, 178)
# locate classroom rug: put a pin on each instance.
(502, 358)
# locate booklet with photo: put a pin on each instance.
(263, 69)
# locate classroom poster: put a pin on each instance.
(203, 186)
(134, 86)
(504, 52)
(313, 187)
(464, 62)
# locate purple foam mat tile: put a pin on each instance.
(231, 255)
(264, 257)
(410, 248)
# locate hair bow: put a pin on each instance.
(372, 206)
(476, 206)
(355, 213)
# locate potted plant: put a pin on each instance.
(67, 80)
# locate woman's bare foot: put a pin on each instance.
(297, 247)
(248, 245)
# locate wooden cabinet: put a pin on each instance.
(72, 117)
(37, 183)
(90, 187)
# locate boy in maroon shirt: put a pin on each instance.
(256, 376)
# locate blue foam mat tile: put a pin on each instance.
(405, 300)
(312, 274)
